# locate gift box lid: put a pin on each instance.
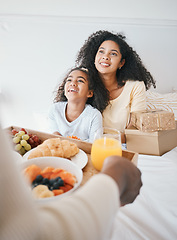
(153, 120)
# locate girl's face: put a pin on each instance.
(77, 86)
(108, 58)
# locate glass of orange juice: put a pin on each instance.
(107, 143)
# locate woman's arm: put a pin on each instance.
(93, 207)
(138, 103)
(138, 97)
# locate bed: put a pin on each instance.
(153, 215)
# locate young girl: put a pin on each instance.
(72, 113)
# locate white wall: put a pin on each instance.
(151, 9)
(39, 41)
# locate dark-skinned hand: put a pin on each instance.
(126, 175)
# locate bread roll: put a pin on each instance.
(55, 147)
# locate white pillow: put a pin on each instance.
(166, 101)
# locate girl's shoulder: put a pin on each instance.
(58, 105)
(91, 110)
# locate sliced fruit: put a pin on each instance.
(32, 172)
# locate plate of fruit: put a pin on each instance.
(51, 177)
(24, 141)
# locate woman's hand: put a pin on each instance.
(126, 175)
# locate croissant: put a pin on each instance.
(55, 147)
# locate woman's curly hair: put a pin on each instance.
(133, 69)
(60, 93)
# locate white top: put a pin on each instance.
(132, 98)
(84, 127)
(88, 213)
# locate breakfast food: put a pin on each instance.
(74, 137)
(49, 182)
(32, 172)
(42, 191)
(24, 141)
(55, 147)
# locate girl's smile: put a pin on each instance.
(77, 86)
(72, 90)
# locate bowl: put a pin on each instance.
(57, 162)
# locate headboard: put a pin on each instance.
(166, 101)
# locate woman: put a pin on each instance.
(119, 74)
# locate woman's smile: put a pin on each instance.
(108, 57)
(104, 64)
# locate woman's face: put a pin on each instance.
(77, 86)
(108, 58)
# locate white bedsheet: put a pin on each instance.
(153, 215)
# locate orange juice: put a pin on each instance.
(103, 148)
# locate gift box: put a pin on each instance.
(153, 120)
(151, 143)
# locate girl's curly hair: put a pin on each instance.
(59, 93)
(133, 69)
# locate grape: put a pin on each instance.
(14, 131)
(22, 151)
(18, 147)
(35, 138)
(22, 129)
(16, 139)
(25, 137)
(23, 142)
(30, 141)
(21, 133)
(27, 147)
